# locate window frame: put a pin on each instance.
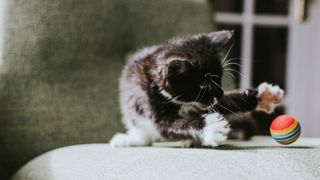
(247, 20)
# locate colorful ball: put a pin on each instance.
(285, 129)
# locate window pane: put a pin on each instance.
(272, 7)
(269, 58)
(232, 81)
(227, 5)
(269, 65)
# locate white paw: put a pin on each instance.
(270, 97)
(119, 140)
(216, 130)
(134, 137)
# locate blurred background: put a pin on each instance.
(277, 42)
(60, 62)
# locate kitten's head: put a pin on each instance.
(191, 68)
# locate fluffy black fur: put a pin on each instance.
(175, 85)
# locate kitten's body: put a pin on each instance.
(159, 91)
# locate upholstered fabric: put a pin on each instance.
(260, 158)
(62, 59)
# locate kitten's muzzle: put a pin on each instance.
(214, 90)
(219, 94)
(202, 106)
(207, 105)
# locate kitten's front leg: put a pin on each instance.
(215, 131)
(209, 131)
(265, 98)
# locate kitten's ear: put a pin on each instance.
(178, 67)
(220, 38)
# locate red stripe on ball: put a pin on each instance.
(282, 122)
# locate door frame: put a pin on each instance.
(303, 62)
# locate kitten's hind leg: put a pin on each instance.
(134, 137)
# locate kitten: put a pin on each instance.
(173, 91)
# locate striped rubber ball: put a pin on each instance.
(285, 129)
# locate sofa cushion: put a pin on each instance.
(62, 60)
(260, 158)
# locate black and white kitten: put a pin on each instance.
(173, 91)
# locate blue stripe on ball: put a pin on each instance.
(288, 138)
(287, 135)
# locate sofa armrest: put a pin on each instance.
(260, 158)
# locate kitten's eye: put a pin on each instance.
(179, 67)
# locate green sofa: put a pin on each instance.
(62, 60)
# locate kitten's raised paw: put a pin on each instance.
(270, 97)
(216, 130)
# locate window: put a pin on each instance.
(261, 31)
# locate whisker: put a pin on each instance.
(228, 69)
(203, 94)
(229, 73)
(211, 109)
(240, 74)
(200, 92)
(213, 75)
(232, 70)
(197, 97)
(228, 52)
(229, 110)
(231, 63)
(216, 84)
(230, 60)
(172, 99)
(214, 109)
